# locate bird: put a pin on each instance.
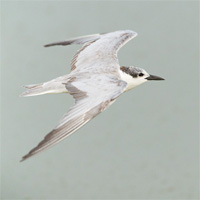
(95, 81)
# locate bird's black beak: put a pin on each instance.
(155, 78)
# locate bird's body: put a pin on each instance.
(95, 81)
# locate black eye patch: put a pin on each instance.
(140, 74)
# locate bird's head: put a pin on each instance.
(135, 76)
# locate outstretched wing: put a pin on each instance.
(98, 50)
(92, 96)
(77, 40)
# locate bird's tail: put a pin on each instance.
(33, 90)
(54, 86)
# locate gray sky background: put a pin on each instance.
(145, 146)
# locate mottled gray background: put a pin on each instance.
(145, 146)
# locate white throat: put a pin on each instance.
(132, 82)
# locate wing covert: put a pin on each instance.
(98, 50)
(87, 106)
(101, 54)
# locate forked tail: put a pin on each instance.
(54, 86)
(35, 89)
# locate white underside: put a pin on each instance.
(57, 86)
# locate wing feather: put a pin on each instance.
(78, 40)
(101, 54)
(98, 50)
(57, 135)
(87, 106)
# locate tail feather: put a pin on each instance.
(33, 90)
(54, 86)
(32, 86)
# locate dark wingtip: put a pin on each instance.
(63, 43)
(48, 45)
(30, 154)
(24, 158)
(52, 44)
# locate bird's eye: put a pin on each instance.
(141, 74)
